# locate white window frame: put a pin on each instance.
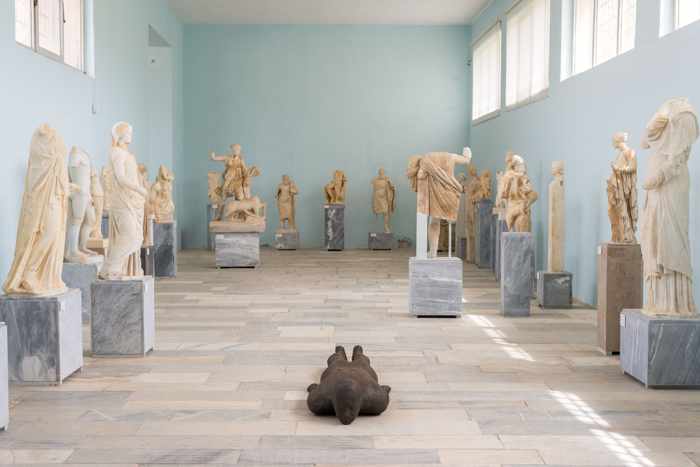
(495, 29)
(676, 17)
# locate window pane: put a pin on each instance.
(687, 12)
(49, 24)
(606, 30)
(73, 33)
(628, 24)
(583, 35)
(23, 22)
(487, 74)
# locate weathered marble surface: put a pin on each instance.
(435, 286)
(123, 317)
(287, 240)
(380, 241)
(494, 230)
(44, 336)
(148, 261)
(165, 249)
(334, 227)
(81, 276)
(212, 213)
(554, 289)
(4, 380)
(484, 245)
(237, 250)
(620, 277)
(660, 351)
(501, 227)
(518, 250)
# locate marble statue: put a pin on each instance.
(161, 196)
(432, 177)
(622, 192)
(148, 207)
(519, 196)
(472, 188)
(215, 191)
(668, 274)
(237, 176)
(484, 186)
(348, 388)
(383, 198)
(500, 203)
(286, 204)
(557, 213)
(126, 197)
(81, 211)
(41, 231)
(335, 190)
(98, 202)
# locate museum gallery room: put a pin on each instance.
(350, 233)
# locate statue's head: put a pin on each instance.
(518, 164)
(347, 401)
(619, 139)
(509, 158)
(285, 179)
(143, 171)
(165, 174)
(467, 152)
(236, 149)
(122, 133)
(557, 168)
(381, 172)
(46, 141)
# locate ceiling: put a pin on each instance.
(407, 12)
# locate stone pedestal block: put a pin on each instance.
(81, 277)
(165, 249)
(554, 289)
(287, 240)
(212, 214)
(494, 229)
(501, 227)
(334, 232)
(660, 351)
(484, 245)
(123, 317)
(435, 287)
(620, 286)
(45, 339)
(517, 253)
(4, 380)
(148, 261)
(461, 248)
(237, 250)
(380, 241)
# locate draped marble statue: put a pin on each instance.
(148, 207)
(126, 197)
(335, 190)
(237, 175)
(286, 204)
(556, 225)
(622, 192)
(472, 189)
(41, 231)
(383, 198)
(668, 275)
(161, 196)
(519, 196)
(81, 211)
(501, 202)
(98, 202)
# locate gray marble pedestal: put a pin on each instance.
(45, 339)
(237, 250)
(517, 252)
(123, 317)
(554, 289)
(660, 351)
(4, 380)
(287, 240)
(334, 227)
(435, 287)
(484, 245)
(380, 241)
(461, 248)
(165, 249)
(148, 261)
(494, 236)
(500, 229)
(212, 214)
(81, 277)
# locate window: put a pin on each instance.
(54, 28)
(527, 54)
(487, 73)
(687, 11)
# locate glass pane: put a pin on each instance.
(606, 30)
(23, 22)
(628, 24)
(687, 12)
(487, 79)
(73, 33)
(540, 47)
(583, 35)
(49, 23)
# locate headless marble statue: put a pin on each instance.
(555, 243)
(81, 211)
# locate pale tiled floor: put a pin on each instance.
(237, 348)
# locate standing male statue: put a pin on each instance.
(383, 198)
(286, 203)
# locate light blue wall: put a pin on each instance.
(35, 89)
(576, 122)
(305, 100)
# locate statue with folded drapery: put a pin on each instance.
(622, 192)
(383, 198)
(519, 195)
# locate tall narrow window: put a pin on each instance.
(487, 73)
(687, 11)
(23, 22)
(73, 33)
(527, 58)
(49, 23)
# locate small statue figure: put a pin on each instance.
(237, 176)
(98, 202)
(215, 191)
(383, 198)
(500, 203)
(622, 192)
(557, 211)
(348, 389)
(335, 190)
(520, 196)
(148, 214)
(484, 186)
(161, 197)
(81, 212)
(286, 204)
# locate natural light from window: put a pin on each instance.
(487, 73)
(687, 11)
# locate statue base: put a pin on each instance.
(494, 230)
(484, 245)
(123, 320)
(517, 255)
(554, 289)
(461, 248)
(435, 287)
(620, 286)
(81, 277)
(287, 239)
(237, 249)
(380, 241)
(45, 336)
(4, 377)
(501, 228)
(165, 249)
(148, 261)
(660, 351)
(98, 245)
(334, 232)
(212, 214)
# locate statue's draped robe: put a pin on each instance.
(622, 191)
(439, 191)
(383, 196)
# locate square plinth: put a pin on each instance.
(4, 380)
(237, 250)
(501, 227)
(435, 287)
(334, 227)
(123, 317)
(212, 214)
(484, 245)
(165, 249)
(517, 253)
(554, 289)
(380, 241)
(660, 351)
(620, 279)
(45, 339)
(287, 240)
(461, 248)
(81, 277)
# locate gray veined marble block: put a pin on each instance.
(484, 245)
(237, 250)
(81, 277)
(4, 380)
(212, 213)
(517, 252)
(435, 287)
(554, 289)
(334, 227)
(461, 248)
(380, 241)
(494, 229)
(45, 341)
(148, 260)
(501, 227)
(123, 317)
(287, 240)
(660, 351)
(165, 249)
